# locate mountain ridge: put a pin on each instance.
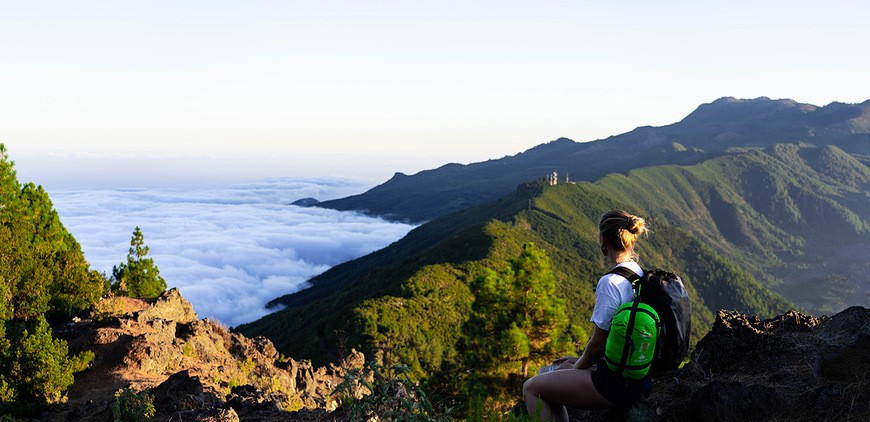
(558, 218)
(709, 130)
(742, 228)
(756, 207)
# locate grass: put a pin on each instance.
(108, 307)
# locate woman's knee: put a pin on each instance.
(531, 386)
(527, 386)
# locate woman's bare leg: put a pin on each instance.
(557, 389)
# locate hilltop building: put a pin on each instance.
(553, 178)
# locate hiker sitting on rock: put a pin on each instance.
(587, 382)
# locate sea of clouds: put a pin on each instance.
(229, 251)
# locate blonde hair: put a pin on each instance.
(621, 229)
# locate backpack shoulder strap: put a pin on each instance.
(625, 272)
(629, 275)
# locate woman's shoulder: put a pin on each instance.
(611, 281)
(632, 265)
(616, 281)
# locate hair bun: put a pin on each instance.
(635, 225)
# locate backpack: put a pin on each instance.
(632, 340)
(664, 292)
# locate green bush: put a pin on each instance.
(130, 406)
(36, 368)
(480, 410)
(387, 393)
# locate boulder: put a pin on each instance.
(844, 345)
(169, 306)
(750, 342)
(733, 401)
(182, 392)
(265, 347)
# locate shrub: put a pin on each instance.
(387, 393)
(130, 406)
(35, 367)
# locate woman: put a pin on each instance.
(577, 382)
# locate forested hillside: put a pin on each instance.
(413, 310)
(787, 214)
(778, 214)
(44, 278)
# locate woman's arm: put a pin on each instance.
(594, 349)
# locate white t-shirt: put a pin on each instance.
(613, 290)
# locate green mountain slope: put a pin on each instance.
(706, 133)
(792, 216)
(408, 301)
(785, 214)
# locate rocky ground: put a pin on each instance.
(195, 370)
(793, 367)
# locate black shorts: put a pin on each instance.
(618, 390)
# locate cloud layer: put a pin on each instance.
(231, 250)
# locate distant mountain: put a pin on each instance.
(305, 202)
(707, 132)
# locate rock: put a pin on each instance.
(844, 344)
(735, 339)
(258, 348)
(152, 351)
(754, 344)
(354, 360)
(205, 415)
(164, 331)
(733, 401)
(827, 397)
(248, 400)
(180, 392)
(265, 347)
(169, 306)
(201, 340)
(748, 368)
(190, 367)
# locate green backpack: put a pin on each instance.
(631, 343)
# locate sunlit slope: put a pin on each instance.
(414, 305)
(792, 215)
(787, 214)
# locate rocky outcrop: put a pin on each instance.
(756, 345)
(195, 370)
(169, 306)
(844, 345)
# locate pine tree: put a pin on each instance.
(43, 277)
(139, 277)
(516, 321)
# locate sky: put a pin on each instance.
(200, 121)
(228, 250)
(204, 94)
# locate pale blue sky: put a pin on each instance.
(101, 93)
